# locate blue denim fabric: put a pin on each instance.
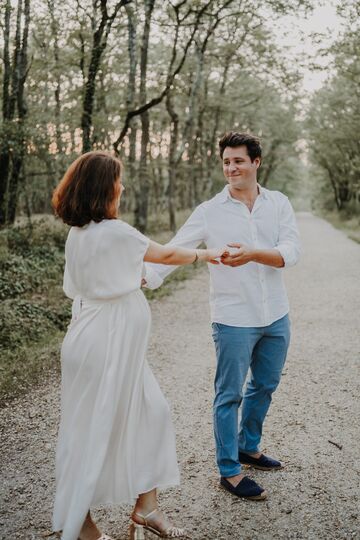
(263, 350)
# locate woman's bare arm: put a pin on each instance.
(169, 254)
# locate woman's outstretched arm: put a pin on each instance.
(169, 254)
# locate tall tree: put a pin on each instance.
(334, 119)
(100, 34)
(14, 109)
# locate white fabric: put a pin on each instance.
(116, 438)
(251, 295)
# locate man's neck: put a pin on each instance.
(247, 196)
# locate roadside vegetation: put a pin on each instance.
(349, 224)
(34, 311)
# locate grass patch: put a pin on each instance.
(172, 282)
(350, 225)
(34, 312)
(28, 364)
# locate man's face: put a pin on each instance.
(238, 168)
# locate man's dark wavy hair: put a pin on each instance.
(234, 138)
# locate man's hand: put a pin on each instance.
(211, 255)
(242, 255)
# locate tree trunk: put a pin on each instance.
(14, 183)
(89, 94)
(333, 182)
(172, 71)
(130, 98)
(55, 32)
(172, 164)
(12, 157)
(100, 37)
(212, 159)
(4, 135)
(141, 208)
(270, 163)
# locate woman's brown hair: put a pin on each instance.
(88, 190)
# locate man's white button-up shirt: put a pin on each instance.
(253, 294)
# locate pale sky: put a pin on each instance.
(294, 33)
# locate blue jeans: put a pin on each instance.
(263, 350)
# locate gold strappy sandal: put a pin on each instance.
(137, 529)
(102, 537)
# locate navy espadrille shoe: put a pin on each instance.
(264, 463)
(246, 488)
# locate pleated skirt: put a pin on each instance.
(116, 438)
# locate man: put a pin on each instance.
(249, 305)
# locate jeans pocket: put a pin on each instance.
(215, 330)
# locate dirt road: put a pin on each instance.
(313, 424)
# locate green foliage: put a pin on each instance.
(21, 273)
(33, 309)
(34, 312)
(258, 78)
(30, 259)
(172, 282)
(24, 322)
(350, 225)
(23, 366)
(334, 126)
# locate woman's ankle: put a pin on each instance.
(146, 503)
(89, 530)
(144, 509)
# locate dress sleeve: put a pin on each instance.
(136, 242)
(128, 249)
(190, 235)
(68, 285)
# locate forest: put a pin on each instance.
(157, 83)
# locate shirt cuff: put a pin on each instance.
(288, 254)
(152, 278)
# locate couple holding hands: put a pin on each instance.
(116, 442)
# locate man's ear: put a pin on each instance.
(257, 162)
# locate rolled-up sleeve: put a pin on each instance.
(190, 235)
(289, 238)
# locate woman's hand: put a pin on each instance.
(239, 254)
(211, 255)
(169, 254)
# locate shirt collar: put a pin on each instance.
(224, 195)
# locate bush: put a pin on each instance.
(23, 322)
(33, 311)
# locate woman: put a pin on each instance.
(116, 442)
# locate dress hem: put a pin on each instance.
(128, 501)
(135, 497)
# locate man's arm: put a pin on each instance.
(289, 238)
(190, 235)
(245, 254)
(285, 253)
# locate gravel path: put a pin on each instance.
(313, 424)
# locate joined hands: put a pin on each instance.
(237, 257)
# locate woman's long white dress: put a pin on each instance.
(116, 438)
